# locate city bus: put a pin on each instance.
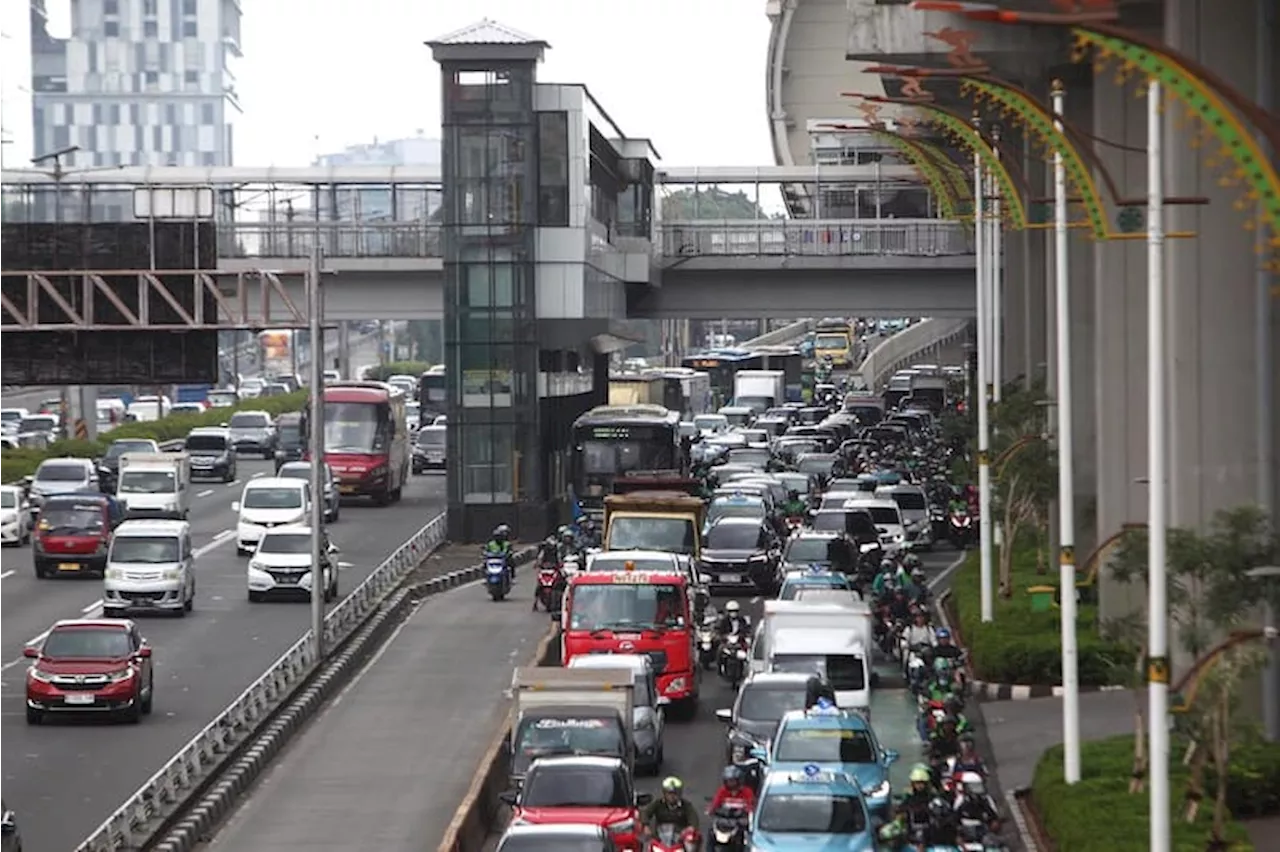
(366, 439)
(834, 339)
(610, 440)
(721, 365)
(432, 399)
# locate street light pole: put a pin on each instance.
(984, 383)
(1066, 487)
(315, 443)
(1157, 483)
(995, 269)
(1270, 576)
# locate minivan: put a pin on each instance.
(150, 568)
(211, 453)
(266, 503)
(74, 533)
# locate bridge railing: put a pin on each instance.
(924, 339)
(337, 239)
(816, 237)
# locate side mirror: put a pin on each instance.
(890, 756)
(235, 505)
(725, 715)
(31, 652)
(144, 652)
(643, 799)
(27, 480)
(223, 425)
(508, 797)
(759, 754)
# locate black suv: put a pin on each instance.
(741, 554)
(211, 453)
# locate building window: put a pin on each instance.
(110, 7)
(207, 115)
(189, 8)
(488, 374)
(111, 29)
(490, 285)
(488, 461)
(151, 79)
(149, 8)
(189, 29)
(553, 169)
(150, 29)
(191, 78)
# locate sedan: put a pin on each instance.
(15, 516)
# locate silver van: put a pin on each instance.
(150, 569)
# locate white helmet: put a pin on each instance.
(732, 607)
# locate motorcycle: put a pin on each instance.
(729, 828)
(669, 838)
(794, 522)
(960, 529)
(497, 577)
(733, 659)
(550, 588)
(975, 836)
(707, 653)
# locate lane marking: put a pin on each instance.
(96, 605)
(233, 483)
(948, 571)
(205, 493)
(218, 540)
(7, 574)
(259, 473)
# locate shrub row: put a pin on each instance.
(15, 464)
(1098, 814)
(1024, 647)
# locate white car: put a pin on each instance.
(150, 568)
(268, 503)
(15, 516)
(282, 566)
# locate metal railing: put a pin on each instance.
(336, 239)
(134, 822)
(816, 237)
(910, 344)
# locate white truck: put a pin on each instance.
(759, 389)
(831, 639)
(155, 485)
(562, 711)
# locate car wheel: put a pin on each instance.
(255, 597)
(40, 573)
(34, 717)
(189, 604)
(151, 694)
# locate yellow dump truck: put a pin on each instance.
(655, 515)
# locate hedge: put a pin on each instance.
(1024, 647)
(16, 464)
(382, 372)
(1098, 814)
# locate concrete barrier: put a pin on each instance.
(778, 336)
(480, 812)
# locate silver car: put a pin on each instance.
(332, 499)
(60, 476)
(253, 432)
(149, 568)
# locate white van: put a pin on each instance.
(155, 485)
(266, 503)
(150, 568)
(887, 517)
(833, 640)
(144, 409)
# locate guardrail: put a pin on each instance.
(909, 345)
(816, 237)
(336, 239)
(133, 824)
(780, 335)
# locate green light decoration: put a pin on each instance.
(969, 137)
(1203, 103)
(941, 186)
(1131, 219)
(1040, 122)
(951, 169)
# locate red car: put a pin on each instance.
(73, 534)
(100, 665)
(582, 791)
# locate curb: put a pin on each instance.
(987, 691)
(198, 823)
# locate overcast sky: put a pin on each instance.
(318, 75)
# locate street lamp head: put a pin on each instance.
(1057, 87)
(55, 155)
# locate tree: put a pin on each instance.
(1025, 475)
(711, 202)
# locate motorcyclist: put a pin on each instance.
(942, 824)
(568, 541)
(732, 621)
(841, 556)
(913, 805)
(732, 792)
(549, 553)
(795, 506)
(943, 686)
(946, 648)
(587, 532)
(975, 803)
(968, 760)
(671, 808)
(919, 632)
(944, 741)
(499, 544)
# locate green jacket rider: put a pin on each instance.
(671, 808)
(900, 578)
(919, 794)
(794, 507)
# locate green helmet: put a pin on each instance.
(672, 784)
(920, 774)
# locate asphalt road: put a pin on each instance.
(64, 778)
(385, 766)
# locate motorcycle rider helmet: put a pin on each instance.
(732, 777)
(943, 634)
(672, 784)
(973, 784)
(888, 565)
(951, 720)
(501, 532)
(920, 774)
(732, 608)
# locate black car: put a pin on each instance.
(211, 453)
(808, 548)
(429, 447)
(291, 439)
(741, 554)
(109, 464)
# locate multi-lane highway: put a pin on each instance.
(63, 778)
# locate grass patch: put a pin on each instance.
(1099, 814)
(1025, 647)
(16, 464)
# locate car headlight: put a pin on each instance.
(256, 566)
(115, 574)
(171, 573)
(878, 792)
(35, 674)
(622, 826)
(122, 674)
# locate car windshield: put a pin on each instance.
(68, 518)
(273, 498)
(669, 535)
(285, 543)
(543, 842)
(910, 501)
(831, 341)
(147, 482)
(430, 437)
(626, 606)
(290, 434)
(356, 427)
(735, 509)
(148, 551)
(755, 458)
(811, 813)
(614, 563)
(806, 551)
(816, 464)
(582, 787)
(799, 744)
(8, 500)
(733, 537)
(844, 672)
(38, 424)
(710, 421)
(884, 515)
(60, 473)
(70, 643)
(760, 703)
(248, 420)
(206, 443)
(302, 471)
(119, 448)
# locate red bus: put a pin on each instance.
(366, 439)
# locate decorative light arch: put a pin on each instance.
(923, 164)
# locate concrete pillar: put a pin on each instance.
(1120, 364)
(1212, 426)
(1026, 264)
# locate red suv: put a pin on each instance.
(73, 534)
(93, 666)
(580, 790)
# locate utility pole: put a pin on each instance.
(984, 383)
(319, 580)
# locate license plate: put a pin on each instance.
(68, 566)
(730, 578)
(78, 698)
(346, 489)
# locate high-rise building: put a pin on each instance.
(137, 82)
(411, 151)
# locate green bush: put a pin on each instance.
(16, 464)
(1098, 814)
(382, 372)
(1253, 788)
(1024, 647)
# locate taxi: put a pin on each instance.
(837, 741)
(816, 577)
(811, 809)
(735, 505)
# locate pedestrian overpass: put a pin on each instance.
(381, 246)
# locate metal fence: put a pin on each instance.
(816, 237)
(133, 823)
(336, 239)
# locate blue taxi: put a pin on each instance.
(736, 505)
(811, 809)
(817, 577)
(834, 740)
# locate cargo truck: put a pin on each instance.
(655, 513)
(155, 485)
(562, 711)
(832, 640)
(759, 390)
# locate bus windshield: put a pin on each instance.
(831, 341)
(669, 535)
(355, 427)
